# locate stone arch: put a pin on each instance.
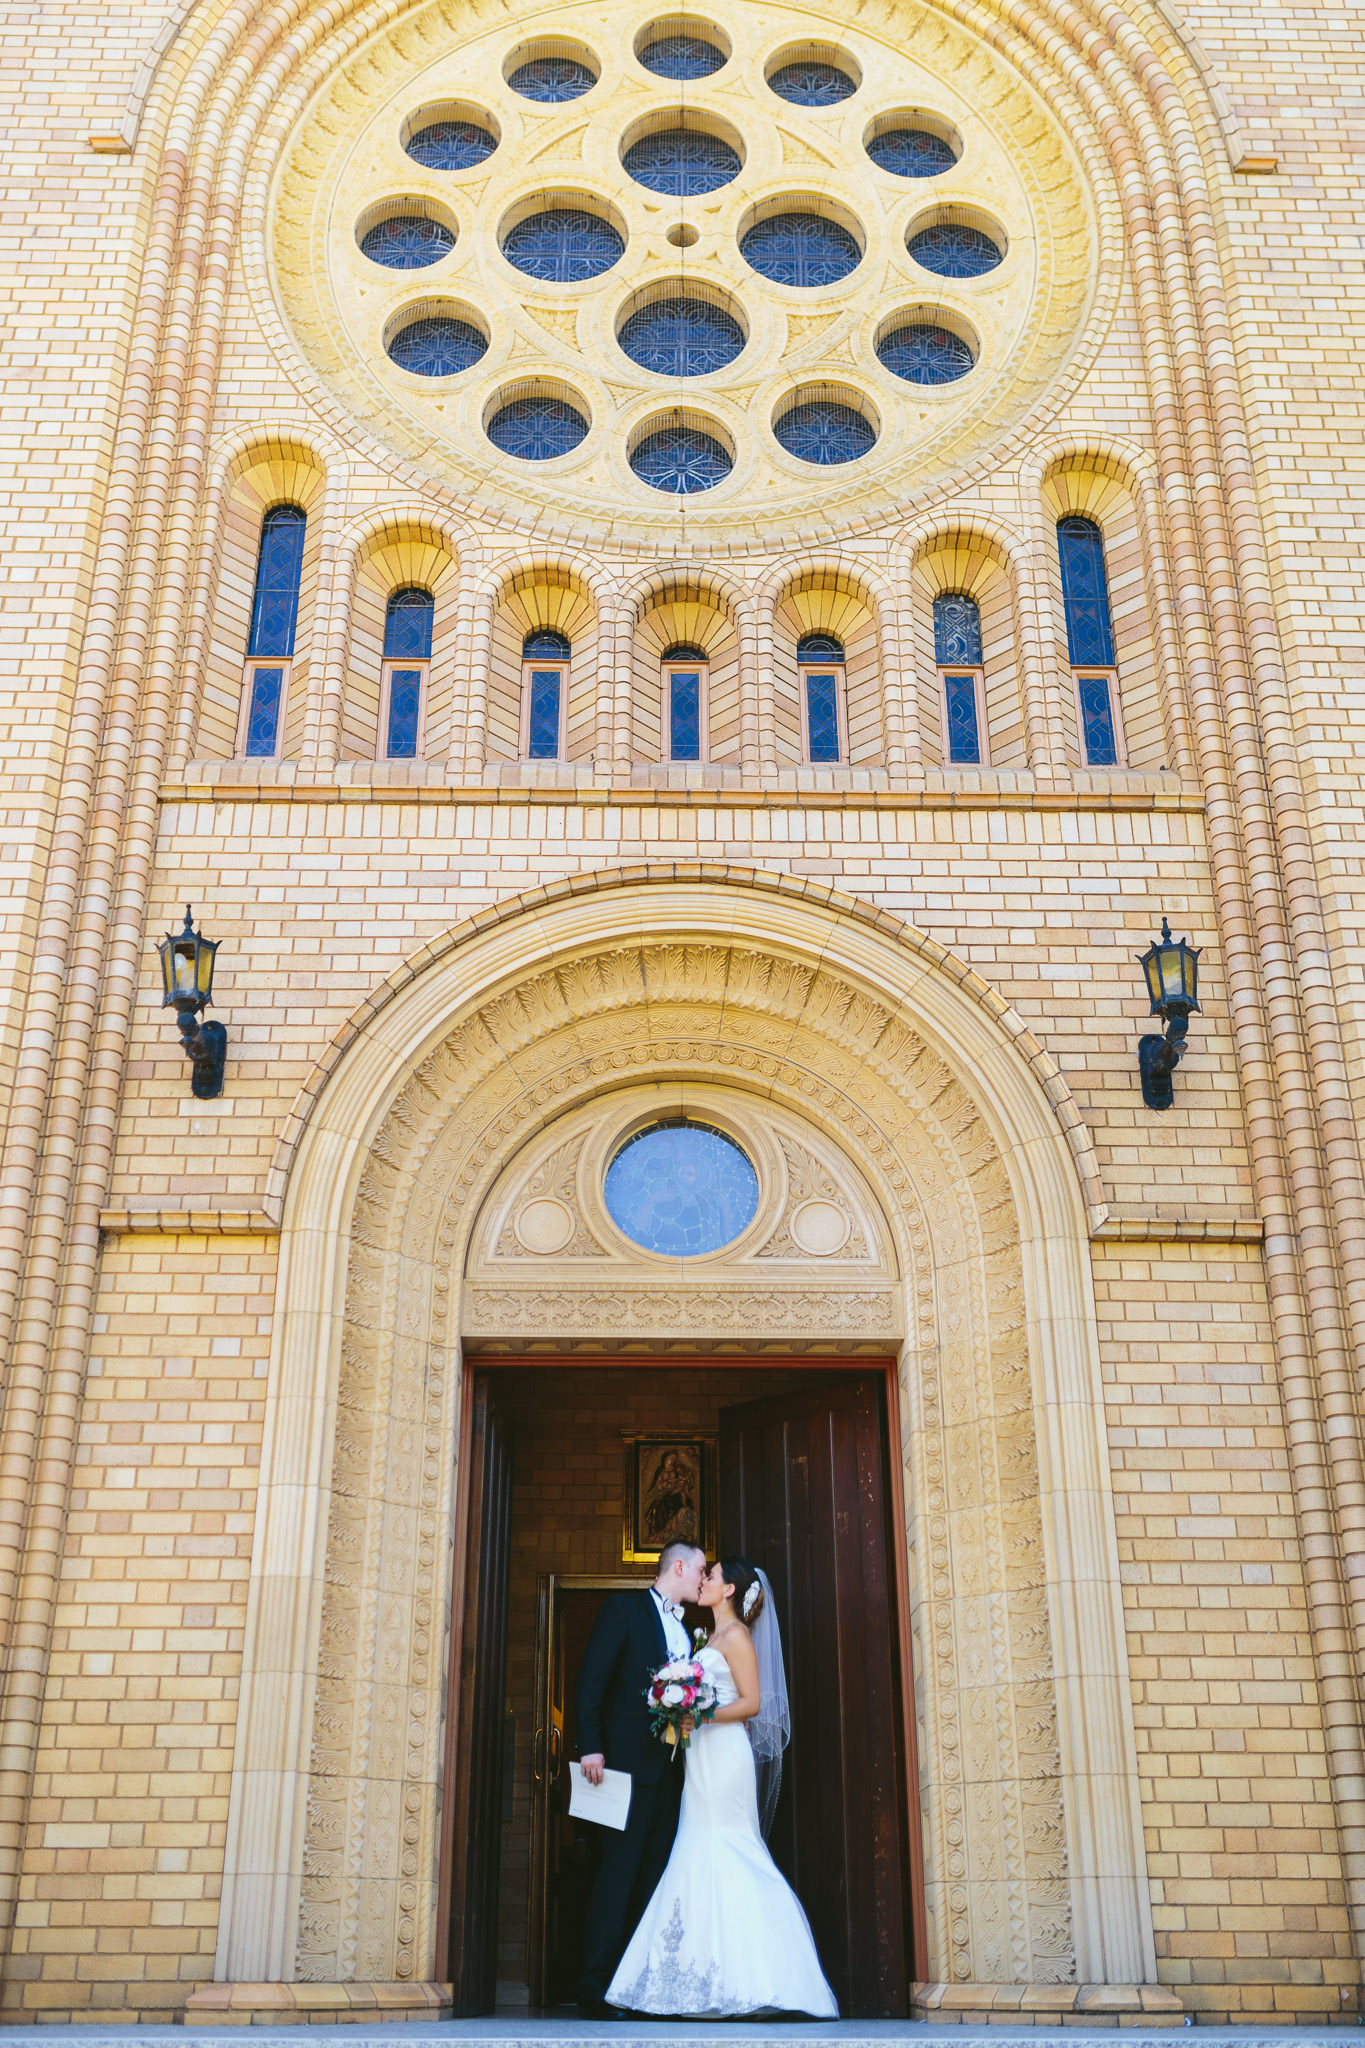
(1034, 1860)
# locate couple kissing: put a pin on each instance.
(689, 1914)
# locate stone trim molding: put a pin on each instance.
(910, 1065)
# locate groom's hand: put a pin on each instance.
(593, 1767)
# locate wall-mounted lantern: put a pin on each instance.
(187, 976)
(1171, 967)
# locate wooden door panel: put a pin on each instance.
(482, 1686)
(802, 1494)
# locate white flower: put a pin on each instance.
(673, 1696)
(681, 1667)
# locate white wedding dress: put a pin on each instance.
(724, 1932)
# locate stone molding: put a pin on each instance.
(1034, 1854)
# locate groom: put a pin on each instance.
(634, 1634)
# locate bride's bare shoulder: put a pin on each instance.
(736, 1646)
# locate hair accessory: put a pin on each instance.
(749, 1598)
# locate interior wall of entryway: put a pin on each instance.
(568, 1424)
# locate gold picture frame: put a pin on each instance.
(670, 1494)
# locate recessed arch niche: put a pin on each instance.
(918, 1097)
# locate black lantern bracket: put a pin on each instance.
(1171, 970)
(187, 959)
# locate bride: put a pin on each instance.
(724, 1933)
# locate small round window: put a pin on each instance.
(681, 1189)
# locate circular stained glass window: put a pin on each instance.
(407, 241)
(682, 337)
(552, 78)
(682, 460)
(825, 432)
(451, 145)
(800, 248)
(537, 429)
(950, 249)
(812, 84)
(682, 57)
(563, 245)
(437, 347)
(682, 161)
(924, 354)
(681, 1189)
(911, 153)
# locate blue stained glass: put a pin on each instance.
(911, 153)
(542, 724)
(263, 716)
(563, 245)
(408, 619)
(409, 241)
(684, 714)
(1098, 736)
(952, 250)
(822, 715)
(437, 347)
(957, 630)
(964, 739)
(812, 84)
(682, 337)
(682, 57)
(537, 429)
(682, 161)
(279, 566)
(825, 432)
(545, 643)
(451, 145)
(552, 78)
(681, 1189)
(681, 460)
(1085, 592)
(800, 248)
(405, 705)
(819, 647)
(924, 354)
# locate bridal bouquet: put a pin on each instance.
(675, 1691)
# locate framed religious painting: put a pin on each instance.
(670, 1494)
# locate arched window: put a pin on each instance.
(1090, 640)
(824, 724)
(274, 620)
(408, 619)
(957, 655)
(684, 727)
(544, 693)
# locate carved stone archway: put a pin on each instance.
(1034, 1866)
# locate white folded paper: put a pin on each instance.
(607, 1804)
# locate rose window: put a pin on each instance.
(846, 267)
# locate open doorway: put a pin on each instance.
(805, 1490)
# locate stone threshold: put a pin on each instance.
(956, 2005)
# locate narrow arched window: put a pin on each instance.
(684, 710)
(1090, 640)
(408, 620)
(544, 693)
(824, 723)
(274, 621)
(961, 682)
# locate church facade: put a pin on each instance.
(681, 594)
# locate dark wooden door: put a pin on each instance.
(479, 1749)
(803, 1480)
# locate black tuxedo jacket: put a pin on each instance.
(625, 1649)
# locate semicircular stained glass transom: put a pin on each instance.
(681, 1189)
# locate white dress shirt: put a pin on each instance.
(675, 1631)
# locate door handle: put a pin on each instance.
(556, 1754)
(537, 1750)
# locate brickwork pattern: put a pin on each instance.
(127, 1483)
